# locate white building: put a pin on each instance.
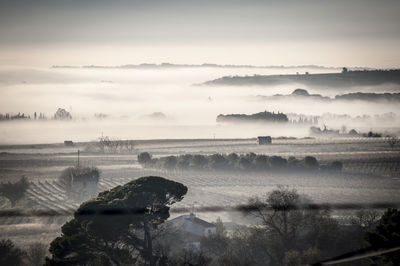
(192, 228)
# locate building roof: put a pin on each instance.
(193, 219)
(201, 222)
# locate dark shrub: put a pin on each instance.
(243, 163)
(251, 156)
(276, 162)
(14, 191)
(260, 162)
(144, 158)
(232, 159)
(199, 161)
(70, 173)
(293, 162)
(217, 162)
(310, 163)
(336, 166)
(170, 162)
(372, 135)
(184, 161)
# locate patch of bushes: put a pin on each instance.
(78, 173)
(372, 135)
(14, 191)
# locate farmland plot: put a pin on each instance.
(370, 175)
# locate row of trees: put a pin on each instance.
(123, 227)
(8, 116)
(233, 161)
(60, 114)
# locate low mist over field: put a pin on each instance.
(124, 103)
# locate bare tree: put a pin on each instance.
(107, 144)
(343, 129)
(114, 145)
(129, 145)
(285, 218)
(392, 141)
(36, 254)
(104, 143)
(366, 218)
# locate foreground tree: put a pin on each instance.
(14, 191)
(295, 258)
(286, 224)
(9, 254)
(117, 228)
(386, 235)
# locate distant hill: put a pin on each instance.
(394, 97)
(207, 65)
(298, 94)
(336, 80)
(360, 96)
(156, 116)
(257, 117)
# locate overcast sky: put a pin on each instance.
(324, 32)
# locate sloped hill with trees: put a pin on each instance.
(257, 117)
(336, 80)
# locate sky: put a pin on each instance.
(324, 32)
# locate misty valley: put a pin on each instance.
(199, 165)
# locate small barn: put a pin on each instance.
(68, 143)
(264, 140)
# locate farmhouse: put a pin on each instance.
(263, 140)
(192, 229)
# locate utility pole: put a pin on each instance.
(78, 158)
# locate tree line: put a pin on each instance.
(60, 114)
(234, 161)
(257, 117)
